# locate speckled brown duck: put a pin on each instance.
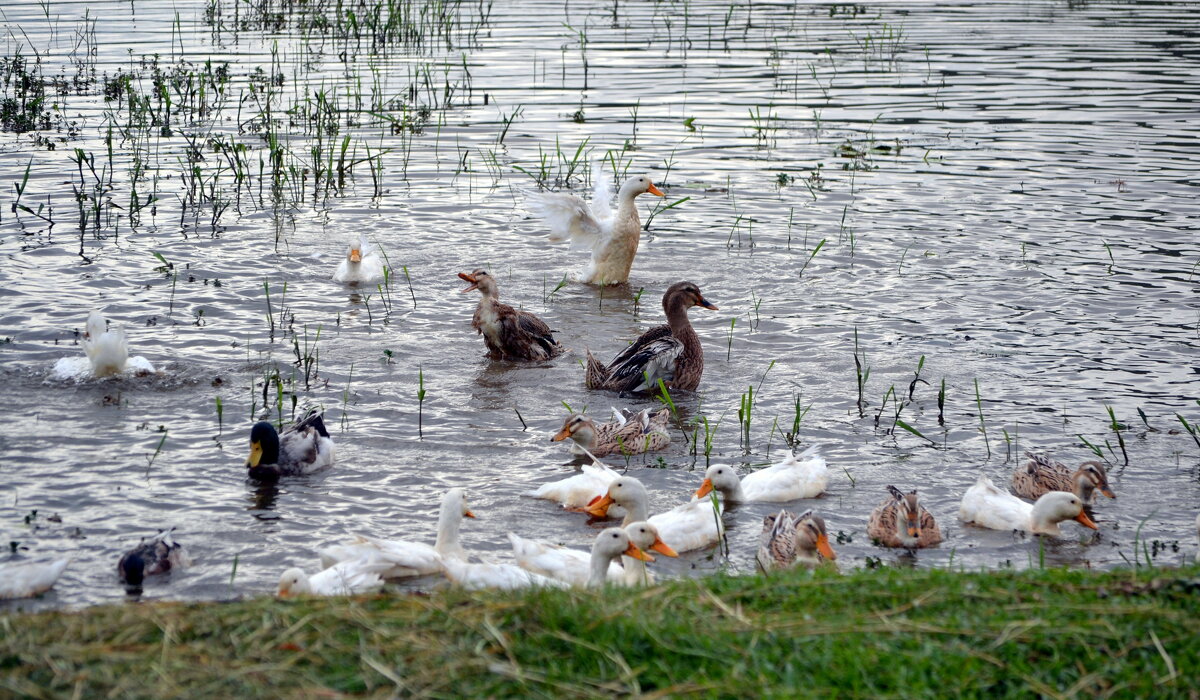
(630, 434)
(508, 333)
(793, 540)
(671, 352)
(1039, 476)
(901, 521)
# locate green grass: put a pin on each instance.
(884, 632)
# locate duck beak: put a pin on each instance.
(599, 505)
(914, 528)
(282, 592)
(255, 455)
(662, 548)
(1107, 492)
(1085, 521)
(633, 551)
(561, 435)
(468, 514)
(701, 301)
(706, 488)
(655, 191)
(355, 255)
(468, 278)
(824, 548)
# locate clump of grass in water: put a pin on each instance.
(861, 374)
(729, 344)
(1116, 428)
(982, 425)
(220, 415)
(345, 419)
(420, 401)
(745, 411)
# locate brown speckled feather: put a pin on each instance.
(884, 521)
(1040, 475)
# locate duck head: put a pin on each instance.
(579, 428)
(1088, 478)
(683, 296)
(1055, 507)
(264, 445)
(625, 491)
(645, 536)
(481, 280)
(636, 185)
(811, 535)
(293, 582)
(720, 477)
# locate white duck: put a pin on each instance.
(408, 558)
(693, 525)
(576, 567)
(988, 506)
(576, 492)
(612, 238)
(345, 578)
(507, 577)
(25, 579)
(106, 353)
(362, 265)
(805, 476)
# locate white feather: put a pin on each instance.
(27, 579)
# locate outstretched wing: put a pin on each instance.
(602, 193)
(568, 217)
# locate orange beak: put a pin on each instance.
(633, 551)
(914, 528)
(469, 514)
(281, 593)
(599, 506)
(706, 488)
(561, 435)
(701, 301)
(1107, 492)
(655, 191)
(662, 548)
(824, 548)
(355, 255)
(468, 278)
(1085, 521)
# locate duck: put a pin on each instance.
(302, 448)
(581, 569)
(26, 579)
(507, 577)
(789, 540)
(988, 506)
(157, 556)
(611, 237)
(361, 266)
(901, 521)
(629, 434)
(1040, 475)
(409, 559)
(577, 491)
(345, 578)
(803, 476)
(693, 525)
(106, 354)
(509, 334)
(671, 353)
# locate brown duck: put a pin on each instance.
(901, 521)
(508, 333)
(630, 434)
(671, 352)
(789, 540)
(1040, 476)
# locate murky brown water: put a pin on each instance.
(1007, 190)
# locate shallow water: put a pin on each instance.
(1007, 190)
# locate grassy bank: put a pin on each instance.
(883, 632)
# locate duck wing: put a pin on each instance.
(653, 353)
(568, 217)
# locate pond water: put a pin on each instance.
(1001, 196)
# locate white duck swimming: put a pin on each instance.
(612, 237)
(693, 525)
(406, 558)
(503, 576)
(361, 266)
(106, 354)
(795, 477)
(580, 568)
(577, 491)
(25, 579)
(345, 578)
(988, 506)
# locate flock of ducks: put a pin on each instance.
(669, 356)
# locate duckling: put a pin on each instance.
(157, 556)
(1039, 476)
(672, 352)
(988, 506)
(612, 239)
(303, 447)
(509, 334)
(630, 435)
(344, 578)
(901, 521)
(361, 266)
(789, 540)
(803, 476)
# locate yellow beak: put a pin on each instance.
(633, 551)
(255, 455)
(824, 548)
(598, 506)
(706, 488)
(655, 191)
(1085, 521)
(355, 255)
(469, 514)
(662, 548)
(561, 435)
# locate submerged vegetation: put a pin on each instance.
(1054, 633)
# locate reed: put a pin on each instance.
(420, 401)
(862, 372)
(1116, 428)
(982, 424)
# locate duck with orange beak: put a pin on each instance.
(684, 528)
(671, 353)
(988, 506)
(509, 334)
(902, 521)
(790, 540)
(362, 266)
(612, 237)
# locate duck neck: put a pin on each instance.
(447, 544)
(1084, 488)
(599, 569)
(635, 511)
(733, 492)
(681, 327)
(1040, 522)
